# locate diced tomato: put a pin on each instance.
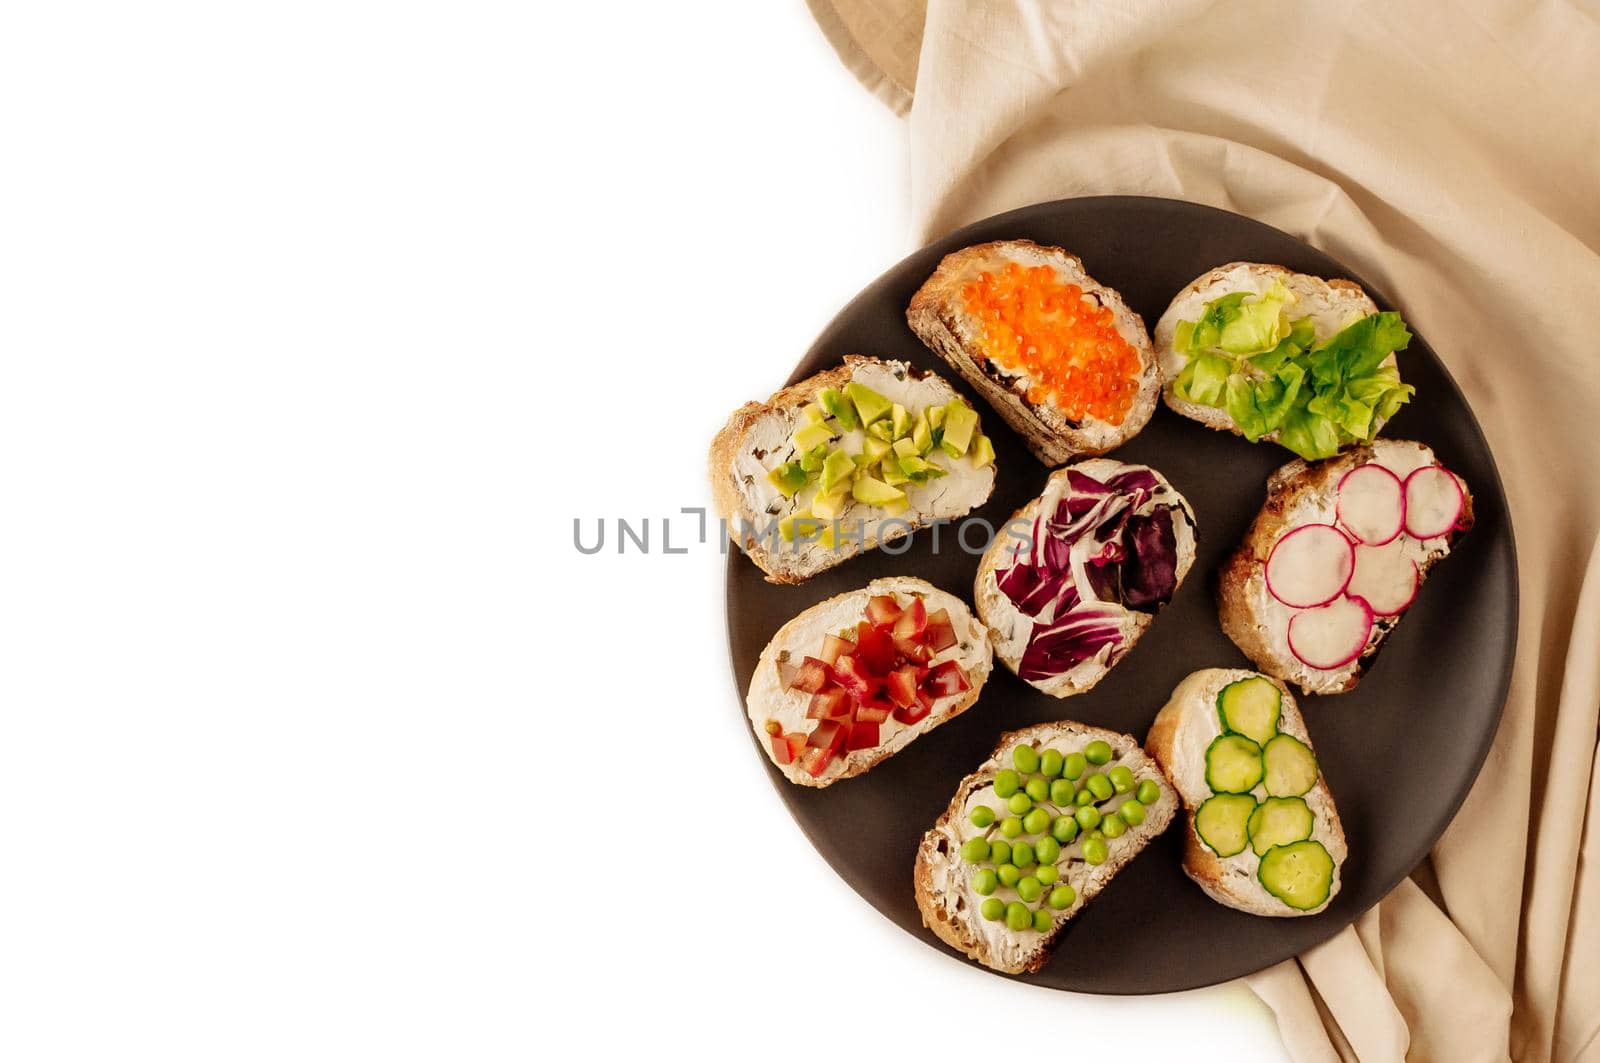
(903, 686)
(871, 714)
(913, 650)
(797, 742)
(877, 699)
(849, 673)
(833, 646)
(812, 677)
(945, 679)
(875, 649)
(781, 751)
(882, 610)
(913, 619)
(863, 735)
(913, 713)
(823, 744)
(940, 633)
(832, 700)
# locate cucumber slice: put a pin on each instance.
(1291, 766)
(1251, 708)
(1233, 765)
(1279, 821)
(1222, 822)
(1300, 875)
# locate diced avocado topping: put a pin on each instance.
(812, 436)
(906, 448)
(900, 421)
(982, 452)
(788, 478)
(875, 492)
(836, 470)
(960, 421)
(892, 473)
(811, 460)
(936, 416)
(875, 449)
(802, 524)
(922, 435)
(831, 506)
(813, 414)
(869, 404)
(882, 430)
(839, 408)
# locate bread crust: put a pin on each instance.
(1221, 877)
(1296, 486)
(795, 637)
(935, 876)
(937, 316)
(1332, 297)
(794, 566)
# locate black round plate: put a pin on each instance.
(1400, 752)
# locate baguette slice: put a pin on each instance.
(951, 907)
(1183, 729)
(1331, 305)
(769, 698)
(937, 315)
(1012, 630)
(757, 439)
(1299, 493)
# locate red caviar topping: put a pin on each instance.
(1036, 325)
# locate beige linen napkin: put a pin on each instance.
(1451, 153)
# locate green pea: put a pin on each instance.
(1132, 811)
(1061, 792)
(1036, 822)
(1006, 783)
(1121, 778)
(1149, 792)
(1113, 826)
(999, 851)
(1022, 854)
(1060, 898)
(985, 881)
(1074, 765)
(1064, 829)
(1038, 789)
(1098, 752)
(1011, 827)
(1084, 797)
(975, 850)
(1095, 851)
(1042, 921)
(993, 908)
(1050, 763)
(1047, 850)
(1018, 917)
(1047, 873)
(1088, 817)
(1009, 874)
(1019, 803)
(1099, 785)
(1029, 888)
(982, 816)
(1026, 759)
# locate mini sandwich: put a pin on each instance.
(1080, 572)
(846, 461)
(1060, 356)
(1262, 834)
(856, 678)
(1335, 557)
(1267, 353)
(1032, 836)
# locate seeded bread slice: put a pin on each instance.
(938, 316)
(944, 892)
(1183, 729)
(757, 438)
(768, 699)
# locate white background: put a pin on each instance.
(321, 323)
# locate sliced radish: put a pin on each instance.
(1310, 565)
(1372, 504)
(1433, 501)
(1332, 635)
(1385, 578)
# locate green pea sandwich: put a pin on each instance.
(1267, 353)
(1262, 834)
(1033, 836)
